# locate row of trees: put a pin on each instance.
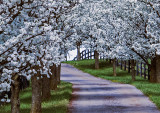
(120, 29)
(35, 36)
(33, 41)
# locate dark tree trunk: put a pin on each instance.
(46, 94)
(66, 57)
(133, 64)
(158, 68)
(15, 101)
(36, 94)
(153, 70)
(58, 74)
(78, 52)
(53, 78)
(114, 67)
(96, 54)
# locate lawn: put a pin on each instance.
(57, 104)
(152, 90)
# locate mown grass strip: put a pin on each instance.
(57, 104)
(152, 90)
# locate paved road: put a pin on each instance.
(95, 95)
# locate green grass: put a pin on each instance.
(152, 90)
(57, 104)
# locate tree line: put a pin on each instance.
(121, 29)
(35, 36)
(33, 41)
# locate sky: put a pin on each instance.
(73, 54)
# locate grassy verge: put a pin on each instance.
(106, 72)
(57, 104)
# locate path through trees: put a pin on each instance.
(95, 95)
(36, 35)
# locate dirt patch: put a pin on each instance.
(73, 98)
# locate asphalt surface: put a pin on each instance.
(96, 95)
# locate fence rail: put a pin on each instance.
(141, 68)
(86, 54)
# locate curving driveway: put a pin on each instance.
(96, 95)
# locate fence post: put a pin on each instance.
(85, 54)
(88, 54)
(137, 68)
(82, 55)
(129, 64)
(93, 55)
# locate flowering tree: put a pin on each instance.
(74, 25)
(127, 29)
(134, 18)
(85, 17)
(138, 38)
(35, 34)
(31, 42)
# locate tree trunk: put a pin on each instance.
(15, 101)
(133, 70)
(53, 78)
(66, 57)
(153, 70)
(58, 74)
(78, 52)
(36, 94)
(114, 67)
(96, 59)
(46, 94)
(158, 68)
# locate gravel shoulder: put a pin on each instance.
(96, 95)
